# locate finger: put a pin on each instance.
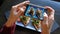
(21, 12)
(44, 23)
(18, 12)
(24, 7)
(13, 10)
(23, 3)
(50, 10)
(21, 8)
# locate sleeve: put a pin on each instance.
(7, 30)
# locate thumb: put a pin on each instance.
(44, 23)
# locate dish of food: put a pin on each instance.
(25, 20)
(31, 12)
(32, 17)
(36, 23)
(38, 13)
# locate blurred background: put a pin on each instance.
(5, 6)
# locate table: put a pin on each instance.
(54, 27)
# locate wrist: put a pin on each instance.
(45, 32)
(9, 22)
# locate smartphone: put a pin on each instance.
(34, 11)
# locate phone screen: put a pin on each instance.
(34, 11)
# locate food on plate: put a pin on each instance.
(38, 13)
(31, 12)
(36, 23)
(25, 20)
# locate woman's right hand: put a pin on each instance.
(48, 20)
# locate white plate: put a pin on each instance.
(29, 26)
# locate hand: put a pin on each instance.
(16, 11)
(48, 20)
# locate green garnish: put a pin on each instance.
(23, 18)
(35, 21)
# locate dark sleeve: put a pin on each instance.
(8, 30)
